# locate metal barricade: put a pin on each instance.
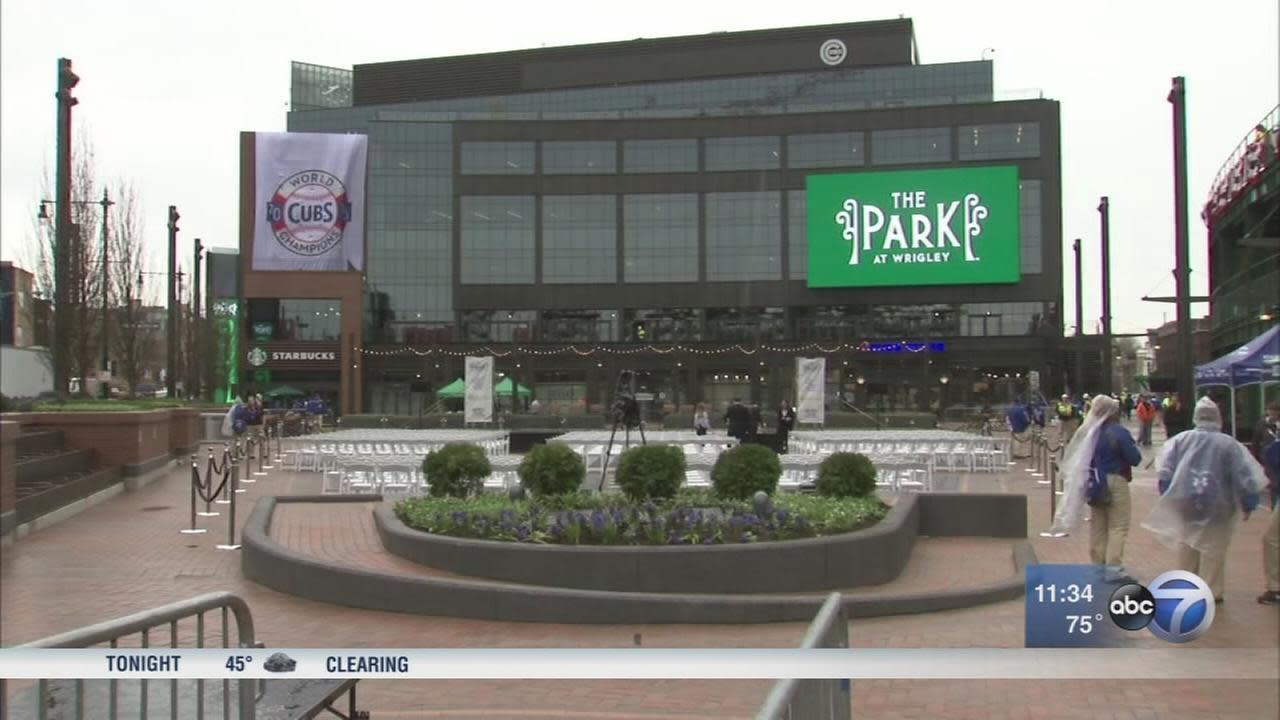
(806, 699)
(51, 696)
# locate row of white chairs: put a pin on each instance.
(319, 456)
(402, 475)
(985, 456)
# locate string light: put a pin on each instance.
(589, 351)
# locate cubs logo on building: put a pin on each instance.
(309, 212)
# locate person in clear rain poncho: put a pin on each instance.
(1096, 471)
(1207, 479)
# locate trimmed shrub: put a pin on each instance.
(742, 471)
(552, 469)
(846, 474)
(456, 470)
(651, 471)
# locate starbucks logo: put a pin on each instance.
(257, 357)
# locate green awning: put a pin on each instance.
(283, 391)
(504, 388)
(455, 389)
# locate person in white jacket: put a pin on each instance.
(1207, 480)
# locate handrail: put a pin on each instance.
(817, 699)
(1271, 124)
(860, 411)
(110, 631)
(114, 629)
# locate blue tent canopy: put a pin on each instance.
(1255, 362)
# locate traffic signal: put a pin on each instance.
(66, 81)
(173, 218)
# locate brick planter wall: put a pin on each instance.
(8, 475)
(184, 429)
(137, 441)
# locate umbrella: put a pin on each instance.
(283, 391)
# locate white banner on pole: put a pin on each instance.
(478, 400)
(811, 390)
(309, 201)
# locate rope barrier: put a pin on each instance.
(195, 483)
(231, 515)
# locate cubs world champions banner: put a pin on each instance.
(478, 399)
(309, 201)
(811, 386)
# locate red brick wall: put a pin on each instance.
(8, 456)
(120, 438)
(184, 427)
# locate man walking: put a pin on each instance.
(1175, 417)
(1019, 424)
(1146, 418)
(1068, 419)
(1270, 451)
(1206, 479)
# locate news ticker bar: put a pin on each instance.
(1173, 663)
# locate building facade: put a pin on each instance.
(1243, 218)
(641, 205)
(17, 306)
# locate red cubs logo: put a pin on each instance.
(309, 212)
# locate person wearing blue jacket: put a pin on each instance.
(1115, 454)
(1019, 422)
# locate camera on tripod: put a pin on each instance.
(625, 410)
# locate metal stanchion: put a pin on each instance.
(1042, 465)
(256, 451)
(209, 467)
(231, 517)
(1053, 499)
(245, 455)
(195, 481)
(233, 458)
(279, 456)
(264, 454)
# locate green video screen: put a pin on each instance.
(917, 227)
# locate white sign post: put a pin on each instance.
(478, 399)
(811, 390)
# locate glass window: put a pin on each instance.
(290, 319)
(579, 157)
(903, 147)
(660, 156)
(579, 239)
(1030, 245)
(744, 236)
(797, 234)
(497, 158)
(1013, 318)
(579, 326)
(825, 150)
(497, 239)
(998, 141)
(660, 237)
(742, 153)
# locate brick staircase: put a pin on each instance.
(49, 476)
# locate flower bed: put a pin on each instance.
(692, 517)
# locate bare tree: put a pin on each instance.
(133, 336)
(85, 260)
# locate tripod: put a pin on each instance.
(626, 413)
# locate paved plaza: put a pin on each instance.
(126, 555)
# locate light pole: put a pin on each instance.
(196, 363)
(1185, 378)
(171, 359)
(62, 230)
(1079, 384)
(1104, 210)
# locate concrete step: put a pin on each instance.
(44, 495)
(53, 465)
(39, 442)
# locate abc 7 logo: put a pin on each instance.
(1179, 608)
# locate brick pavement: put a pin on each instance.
(126, 555)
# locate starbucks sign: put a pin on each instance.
(920, 227)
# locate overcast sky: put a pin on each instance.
(166, 86)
